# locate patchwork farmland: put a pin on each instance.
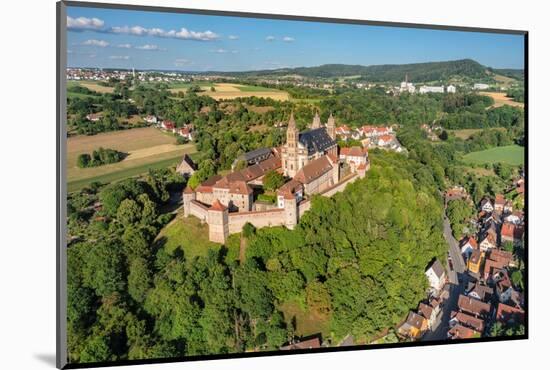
(145, 148)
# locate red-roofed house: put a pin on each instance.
(168, 125)
(508, 314)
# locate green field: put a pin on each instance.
(511, 154)
(191, 236)
(122, 174)
(253, 88)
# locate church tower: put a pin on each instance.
(290, 149)
(316, 121)
(331, 127)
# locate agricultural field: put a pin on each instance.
(92, 85)
(232, 91)
(145, 148)
(466, 133)
(501, 99)
(511, 154)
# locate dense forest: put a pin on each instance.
(363, 268)
(417, 72)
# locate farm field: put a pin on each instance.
(466, 133)
(232, 91)
(92, 85)
(501, 99)
(146, 148)
(511, 154)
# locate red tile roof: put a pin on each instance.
(313, 170)
(473, 306)
(507, 313)
(217, 206)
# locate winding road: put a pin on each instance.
(457, 281)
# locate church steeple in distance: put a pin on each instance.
(316, 121)
(331, 127)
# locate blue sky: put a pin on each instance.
(112, 38)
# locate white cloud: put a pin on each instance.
(223, 51)
(150, 47)
(94, 42)
(119, 57)
(91, 55)
(182, 34)
(124, 46)
(181, 62)
(83, 23)
(288, 39)
(270, 38)
(233, 37)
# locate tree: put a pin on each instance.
(248, 230)
(508, 246)
(444, 135)
(104, 268)
(129, 212)
(139, 279)
(83, 160)
(273, 180)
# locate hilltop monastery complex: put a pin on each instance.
(311, 163)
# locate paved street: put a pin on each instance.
(457, 281)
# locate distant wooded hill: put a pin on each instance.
(417, 72)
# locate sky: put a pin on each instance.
(113, 38)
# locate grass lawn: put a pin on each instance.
(189, 235)
(307, 321)
(511, 154)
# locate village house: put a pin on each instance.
(487, 205)
(515, 218)
(487, 240)
(184, 132)
(343, 130)
(509, 315)
(354, 156)
(499, 203)
(475, 260)
(511, 232)
(461, 332)
(94, 117)
(467, 245)
(495, 263)
(150, 119)
(504, 288)
(167, 125)
(187, 167)
(436, 275)
(414, 327)
(429, 313)
(468, 321)
(479, 291)
(473, 306)
(309, 343)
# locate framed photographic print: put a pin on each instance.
(240, 185)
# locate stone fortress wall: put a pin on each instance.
(222, 223)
